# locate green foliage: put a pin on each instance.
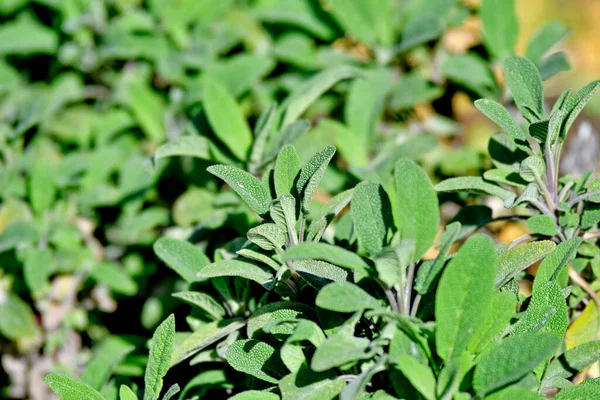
(315, 271)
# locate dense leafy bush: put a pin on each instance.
(100, 99)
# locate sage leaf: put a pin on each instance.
(185, 258)
(226, 119)
(548, 297)
(319, 273)
(502, 309)
(500, 27)
(255, 395)
(417, 206)
(246, 186)
(345, 297)
(501, 117)
(195, 146)
(572, 362)
(544, 39)
(255, 358)
(420, 375)
(553, 64)
(326, 252)
(126, 394)
(267, 236)
(277, 311)
(338, 350)
(525, 83)
(263, 127)
(42, 187)
(256, 256)
(310, 385)
(173, 390)
(474, 184)
(514, 392)
(203, 301)
(370, 209)
(16, 317)
(532, 168)
(542, 225)
(161, 348)
(511, 359)
(302, 97)
(430, 269)
(311, 175)
(464, 295)
(67, 388)
(243, 269)
(513, 261)
(585, 390)
(419, 30)
(287, 168)
(203, 337)
(575, 104)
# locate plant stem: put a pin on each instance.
(301, 229)
(519, 240)
(409, 283)
(415, 305)
(582, 197)
(390, 295)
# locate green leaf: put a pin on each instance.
(542, 225)
(37, 267)
(575, 104)
(108, 354)
(471, 71)
(267, 236)
(16, 317)
(159, 359)
(114, 277)
(532, 168)
(474, 184)
(364, 105)
(345, 297)
(329, 211)
(307, 384)
(203, 337)
(319, 273)
(25, 35)
(227, 120)
(173, 390)
(500, 115)
(288, 135)
(126, 394)
(370, 209)
(16, 233)
(587, 389)
(365, 21)
(553, 64)
(338, 350)
(525, 83)
(255, 395)
(255, 358)
(572, 362)
(464, 295)
(417, 206)
(185, 258)
(194, 146)
(204, 302)
(502, 310)
(420, 375)
(511, 359)
(544, 39)
(514, 392)
(547, 312)
(67, 388)
(274, 312)
(42, 188)
(262, 128)
(311, 175)
(287, 168)
(246, 186)
(243, 269)
(500, 27)
(148, 107)
(419, 30)
(430, 269)
(326, 252)
(513, 261)
(302, 97)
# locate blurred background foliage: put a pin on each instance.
(91, 89)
